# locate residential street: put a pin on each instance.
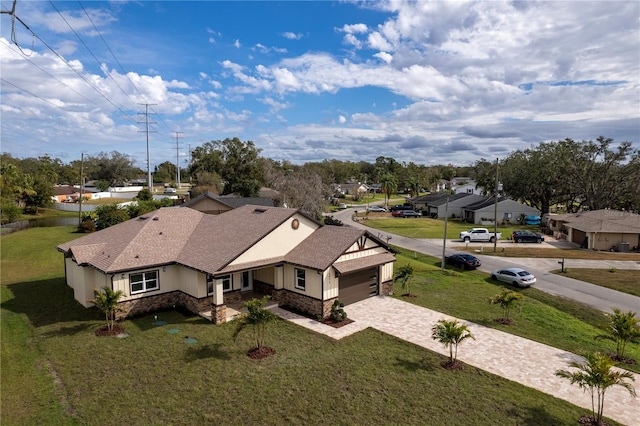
(598, 297)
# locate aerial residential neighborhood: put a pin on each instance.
(309, 213)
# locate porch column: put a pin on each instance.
(218, 308)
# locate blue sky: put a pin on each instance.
(428, 82)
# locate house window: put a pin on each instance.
(210, 284)
(145, 281)
(300, 279)
(226, 282)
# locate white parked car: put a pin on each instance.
(516, 276)
(376, 209)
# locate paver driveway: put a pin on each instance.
(515, 358)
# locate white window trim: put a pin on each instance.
(297, 280)
(144, 282)
(230, 278)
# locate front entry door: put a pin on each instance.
(246, 281)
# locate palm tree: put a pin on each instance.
(507, 300)
(624, 328)
(451, 334)
(595, 376)
(258, 318)
(106, 299)
(389, 186)
(405, 275)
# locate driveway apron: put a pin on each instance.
(515, 358)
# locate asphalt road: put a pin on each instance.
(598, 297)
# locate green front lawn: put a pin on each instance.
(555, 321)
(625, 280)
(55, 371)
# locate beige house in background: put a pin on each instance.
(178, 256)
(598, 229)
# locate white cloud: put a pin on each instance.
(292, 36)
(237, 44)
(342, 119)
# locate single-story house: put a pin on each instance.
(435, 205)
(353, 188)
(212, 203)
(484, 212)
(69, 194)
(179, 256)
(598, 229)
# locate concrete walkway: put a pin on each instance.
(515, 358)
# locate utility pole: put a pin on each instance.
(81, 188)
(495, 212)
(444, 240)
(146, 121)
(178, 158)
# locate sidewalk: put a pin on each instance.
(515, 358)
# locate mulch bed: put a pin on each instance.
(590, 421)
(260, 353)
(104, 330)
(504, 321)
(452, 366)
(337, 324)
(623, 359)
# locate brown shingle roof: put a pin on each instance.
(602, 221)
(363, 262)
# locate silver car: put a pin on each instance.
(516, 276)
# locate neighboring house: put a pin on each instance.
(69, 194)
(483, 212)
(353, 188)
(598, 229)
(202, 263)
(438, 207)
(211, 203)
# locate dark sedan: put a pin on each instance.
(526, 237)
(463, 260)
(408, 213)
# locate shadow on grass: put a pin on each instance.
(47, 302)
(420, 365)
(166, 318)
(203, 352)
(534, 416)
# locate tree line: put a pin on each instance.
(576, 175)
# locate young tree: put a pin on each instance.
(257, 318)
(451, 334)
(404, 274)
(507, 300)
(107, 300)
(595, 376)
(623, 329)
(389, 186)
(109, 215)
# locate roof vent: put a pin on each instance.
(143, 218)
(156, 218)
(260, 210)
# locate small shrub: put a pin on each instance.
(338, 314)
(87, 226)
(612, 269)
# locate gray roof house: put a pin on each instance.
(205, 263)
(483, 212)
(435, 205)
(212, 203)
(599, 229)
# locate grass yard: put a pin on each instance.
(425, 227)
(625, 280)
(55, 371)
(548, 319)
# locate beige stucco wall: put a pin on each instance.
(280, 241)
(83, 280)
(604, 241)
(266, 275)
(358, 254)
(331, 284)
(386, 272)
(313, 281)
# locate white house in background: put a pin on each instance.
(179, 256)
(465, 185)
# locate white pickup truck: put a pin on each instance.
(479, 234)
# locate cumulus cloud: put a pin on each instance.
(292, 36)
